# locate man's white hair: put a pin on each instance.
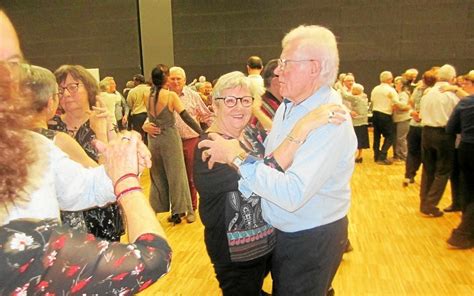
(322, 43)
(446, 73)
(178, 70)
(385, 76)
(358, 87)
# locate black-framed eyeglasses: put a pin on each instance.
(72, 88)
(231, 101)
(283, 62)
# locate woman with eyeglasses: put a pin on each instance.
(169, 183)
(38, 255)
(238, 240)
(86, 120)
(38, 86)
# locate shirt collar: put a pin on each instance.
(313, 101)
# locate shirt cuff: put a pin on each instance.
(247, 171)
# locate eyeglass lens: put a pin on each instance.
(71, 87)
(231, 101)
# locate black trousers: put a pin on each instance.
(242, 278)
(383, 126)
(413, 161)
(137, 121)
(437, 158)
(466, 164)
(305, 262)
(457, 182)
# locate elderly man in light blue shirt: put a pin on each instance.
(309, 201)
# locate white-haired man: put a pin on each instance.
(382, 97)
(437, 145)
(309, 201)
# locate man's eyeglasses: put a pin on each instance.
(72, 88)
(231, 101)
(283, 62)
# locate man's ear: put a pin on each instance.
(315, 68)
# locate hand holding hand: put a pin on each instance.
(126, 154)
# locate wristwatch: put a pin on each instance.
(239, 160)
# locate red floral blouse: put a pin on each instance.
(44, 258)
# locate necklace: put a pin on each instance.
(73, 124)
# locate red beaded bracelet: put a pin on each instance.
(129, 175)
(126, 191)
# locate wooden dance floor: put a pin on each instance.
(397, 251)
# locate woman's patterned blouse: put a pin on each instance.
(105, 222)
(40, 257)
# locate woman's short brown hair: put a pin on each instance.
(429, 77)
(80, 73)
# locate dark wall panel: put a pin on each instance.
(96, 34)
(212, 37)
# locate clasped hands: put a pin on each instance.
(125, 154)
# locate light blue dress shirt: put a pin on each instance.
(315, 189)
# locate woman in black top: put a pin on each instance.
(238, 240)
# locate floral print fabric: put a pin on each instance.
(105, 222)
(44, 258)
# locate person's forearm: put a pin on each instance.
(139, 217)
(80, 188)
(285, 152)
(111, 129)
(190, 121)
(264, 120)
(461, 93)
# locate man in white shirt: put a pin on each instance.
(382, 97)
(120, 107)
(437, 145)
(254, 68)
